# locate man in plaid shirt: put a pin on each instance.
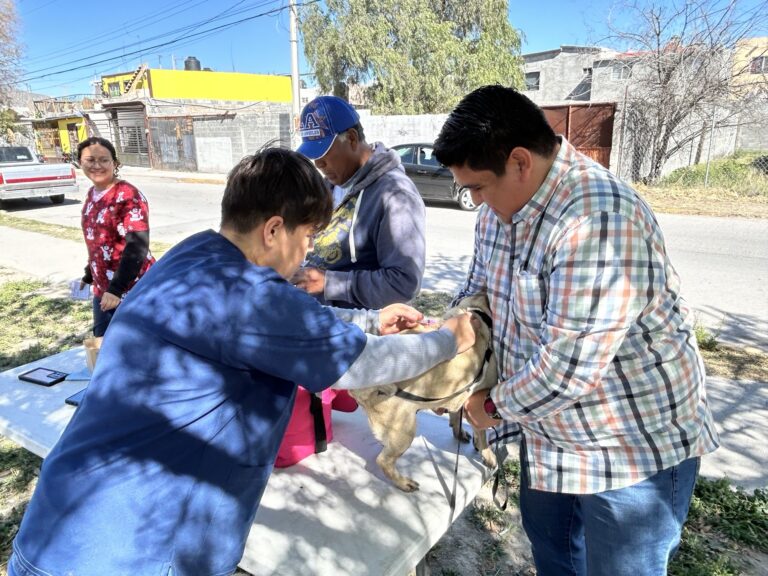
(600, 373)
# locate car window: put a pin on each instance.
(15, 154)
(406, 154)
(426, 157)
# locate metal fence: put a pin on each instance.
(761, 164)
(714, 148)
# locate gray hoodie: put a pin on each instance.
(373, 250)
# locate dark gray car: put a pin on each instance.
(433, 180)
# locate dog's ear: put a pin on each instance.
(476, 300)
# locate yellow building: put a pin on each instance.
(197, 85)
(750, 63)
(59, 126)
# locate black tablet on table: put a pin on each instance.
(43, 376)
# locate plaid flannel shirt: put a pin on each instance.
(598, 362)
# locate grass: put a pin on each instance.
(706, 340)
(62, 232)
(740, 516)
(722, 521)
(29, 225)
(34, 324)
(729, 361)
(699, 556)
(736, 173)
(735, 188)
(17, 481)
(490, 516)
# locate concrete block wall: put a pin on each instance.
(393, 130)
(752, 132)
(245, 132)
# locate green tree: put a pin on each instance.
(418, 56)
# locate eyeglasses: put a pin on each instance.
(91, 162)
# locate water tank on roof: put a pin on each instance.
(191, 63)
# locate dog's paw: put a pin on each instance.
(407, 484)
(489, 458)
(462, 435)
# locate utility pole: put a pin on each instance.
(295, 98)
(709, 149)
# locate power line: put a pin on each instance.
(162, 44)
(70, 48)
(154, 17)
(36, 8)
(193, 26)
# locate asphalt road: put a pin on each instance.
(723, 262)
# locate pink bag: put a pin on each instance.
(310, 429)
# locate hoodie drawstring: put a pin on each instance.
(352, 253)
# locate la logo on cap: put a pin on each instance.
(310, 126)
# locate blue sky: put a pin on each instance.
(56, 33)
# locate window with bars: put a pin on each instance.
(532, 80)
(621, 71)
(759, 65)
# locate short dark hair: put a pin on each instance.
(487, 124)
(101, 142)
(275, 182)
(360, 133)
(357, 128)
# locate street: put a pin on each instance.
(723, 262)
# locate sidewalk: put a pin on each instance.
(740, 407)
(42, 256)
(194, 177)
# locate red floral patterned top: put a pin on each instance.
(105, 223)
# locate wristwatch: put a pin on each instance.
(490, 407)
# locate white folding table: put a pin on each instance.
(332, 514)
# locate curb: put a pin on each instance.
(200, 180)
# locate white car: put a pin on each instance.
(22, 175)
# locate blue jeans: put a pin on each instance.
(631, 531)
(101, 319)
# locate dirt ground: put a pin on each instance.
(483, 541)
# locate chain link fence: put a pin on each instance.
(760, 164)
(715, 148)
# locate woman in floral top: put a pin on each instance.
(115, 221)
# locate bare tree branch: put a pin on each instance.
(9, 50)
(687, 57)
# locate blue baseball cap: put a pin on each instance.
(321, 121)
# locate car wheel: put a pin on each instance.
(465, 200)
(58, 199)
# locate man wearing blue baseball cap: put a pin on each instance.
(372, 253)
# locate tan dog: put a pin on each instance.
(392, 408)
